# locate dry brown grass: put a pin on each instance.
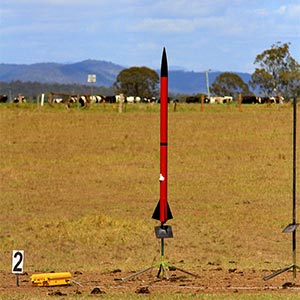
(78, 187)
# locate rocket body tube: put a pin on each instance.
(162, 211)
(164, 138)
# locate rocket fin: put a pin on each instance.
(156, 213)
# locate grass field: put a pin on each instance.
(78, 188)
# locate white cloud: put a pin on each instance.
(165, 26)
(281, 10)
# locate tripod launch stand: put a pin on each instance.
(291, 228)
(162, 232)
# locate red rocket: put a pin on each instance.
(162, 211)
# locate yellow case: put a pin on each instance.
(51, 279)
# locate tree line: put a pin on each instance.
(277, 74)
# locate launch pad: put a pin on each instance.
(162, 232)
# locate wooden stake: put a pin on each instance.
(240, 101)
(202, 102)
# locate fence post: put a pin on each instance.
(240, 101)
(121, 101)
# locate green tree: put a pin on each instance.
(229, 84)
(278, 72)
(137, 81)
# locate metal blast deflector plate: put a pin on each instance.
(290, 228)
(163, 231)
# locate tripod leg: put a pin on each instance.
(184, 271)
(137, 273)
(159, 271)
(165, 271)
(277, 272)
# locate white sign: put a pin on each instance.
(92, 78)
(17, 261)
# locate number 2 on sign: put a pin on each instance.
(17, 261)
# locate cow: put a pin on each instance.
(216, 99)
(251, 100)
(129, 99)
(84, 100)
(133, 99)
(96, 99)
(110, 99)
(192, 99)
(3, 98)
(73, 99)
(120, 98)
(57, 100)
(19, 99)
(114, 98)
(62, 98)
(227, 99)
(276, 99)
(219, 100)
(149, 99)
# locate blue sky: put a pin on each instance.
(224, 35)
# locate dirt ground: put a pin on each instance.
(214, 280)
(78, 182)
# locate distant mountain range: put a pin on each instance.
(106, 72)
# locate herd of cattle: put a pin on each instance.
(212, 99)
(85, 100)
(229, 99)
